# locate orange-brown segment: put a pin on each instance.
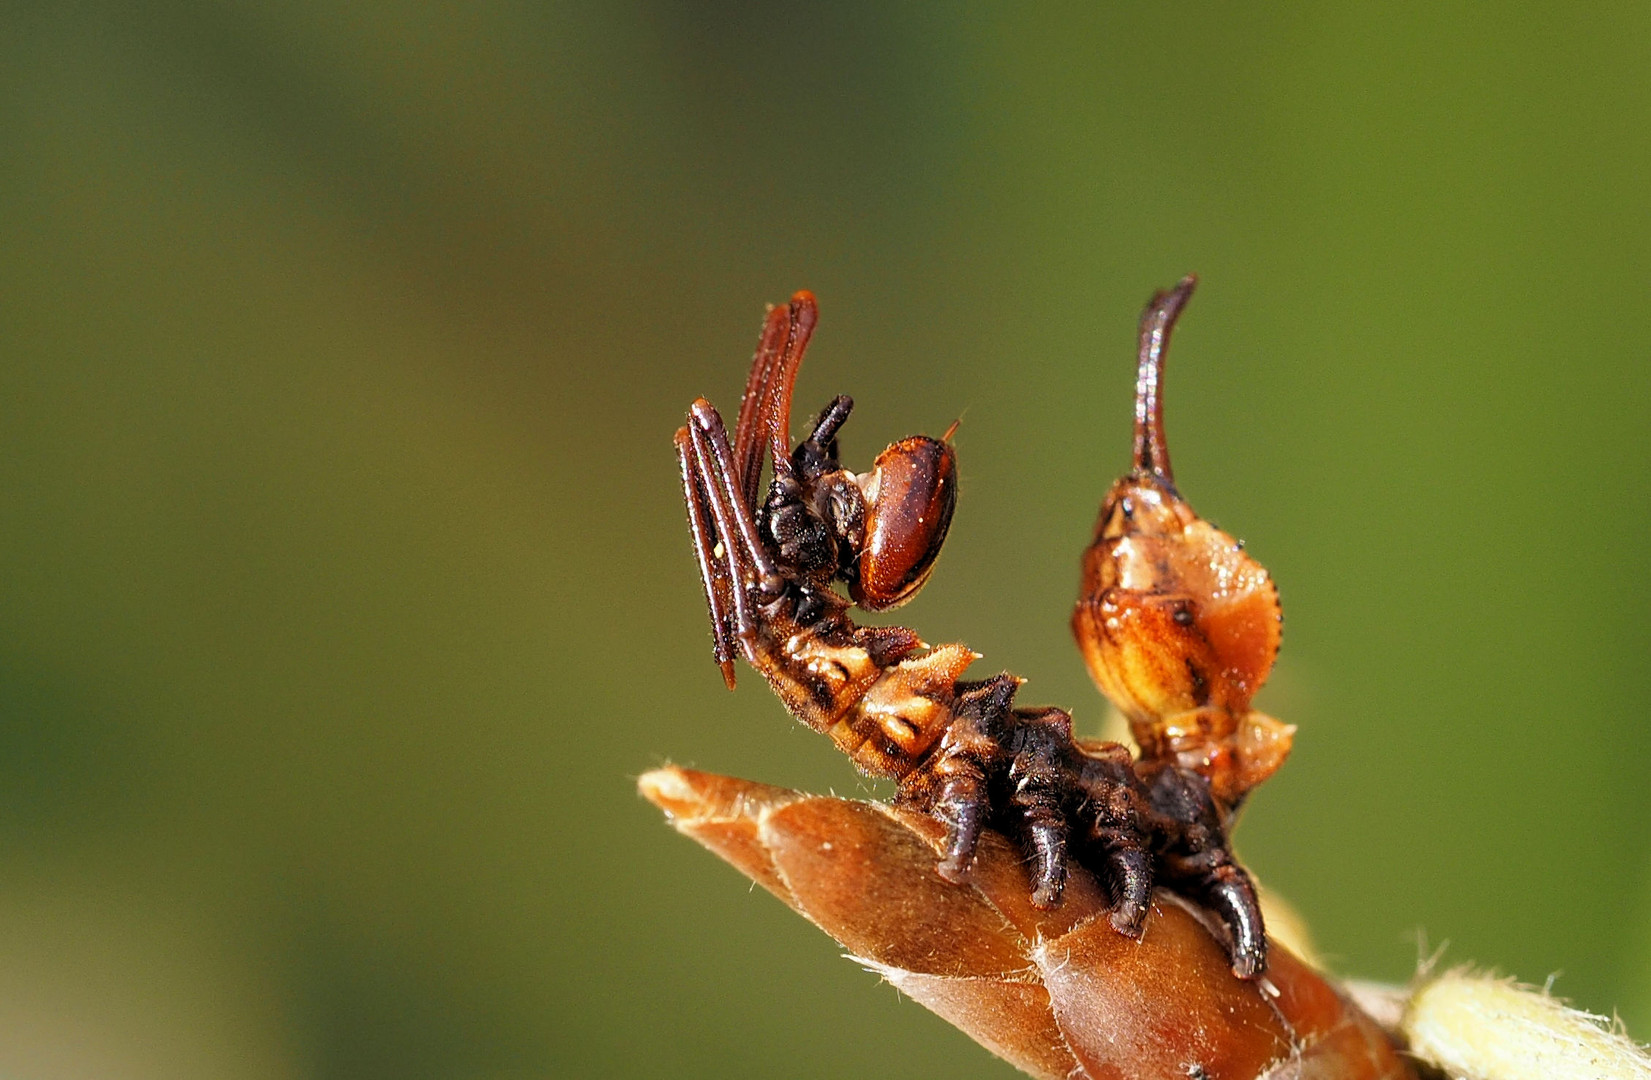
(1179, 628)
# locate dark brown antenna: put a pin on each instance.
(1151, 451)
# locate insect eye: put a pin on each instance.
(910, 496)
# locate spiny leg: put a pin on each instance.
(1040, 784)
(967, 755)
(1229, 891)
(1212, 877)
(1046, 830)
(962, 805)
(1131, 866)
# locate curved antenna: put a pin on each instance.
(1151, 451)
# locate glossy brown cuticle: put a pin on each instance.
(913, 487)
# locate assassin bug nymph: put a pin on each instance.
(1178, 625)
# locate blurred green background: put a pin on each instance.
(344, 587)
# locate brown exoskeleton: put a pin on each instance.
(1169, 625)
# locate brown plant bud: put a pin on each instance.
(1059, 993)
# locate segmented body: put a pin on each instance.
(958, 750)
(962, 752)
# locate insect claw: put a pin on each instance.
(1047, 897)
(1131, 924)
(727, 667)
